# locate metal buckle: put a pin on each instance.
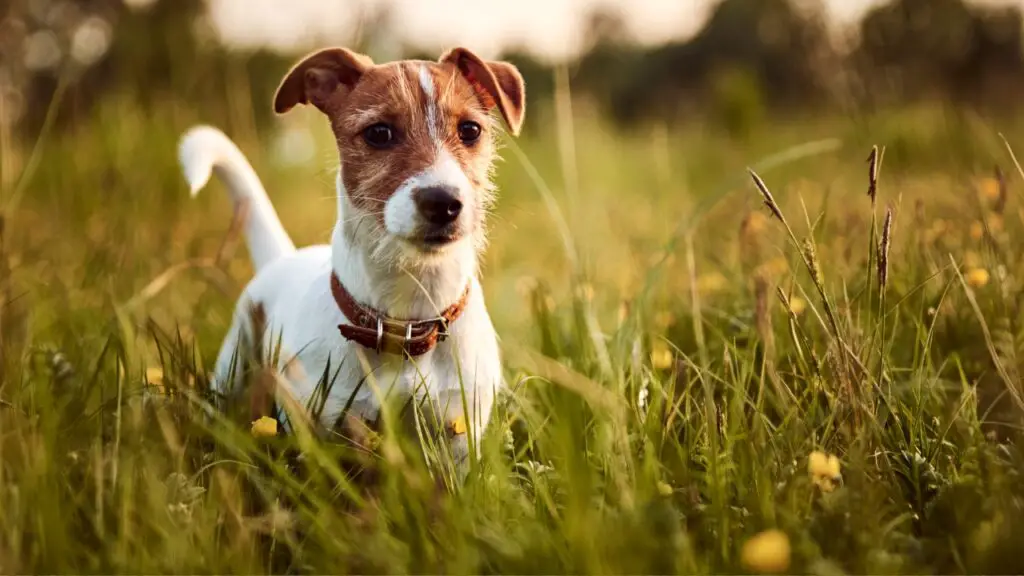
(408, 332)
(380, 335)
(442, 331)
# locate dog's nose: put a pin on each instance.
(438, 204)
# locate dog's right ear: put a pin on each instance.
(318, 77)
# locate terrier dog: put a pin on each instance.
(393, 306)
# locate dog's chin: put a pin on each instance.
(430, 246)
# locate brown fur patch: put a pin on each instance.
(393, 94)
(264, 384)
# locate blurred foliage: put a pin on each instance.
(674, 377)
(922, 48)
(750, 54)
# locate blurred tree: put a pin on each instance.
(609, 56)
(785, 51)
(143, 51)
(941, 48)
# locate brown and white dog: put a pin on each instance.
(396, 293)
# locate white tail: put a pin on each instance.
(202, 151)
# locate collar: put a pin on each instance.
(374, 330)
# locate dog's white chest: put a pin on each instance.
(460, 375)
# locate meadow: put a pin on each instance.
(820, 373)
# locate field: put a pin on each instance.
(697, 385)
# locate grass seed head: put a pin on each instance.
(883, 250)
(873, 162)
(769, 200)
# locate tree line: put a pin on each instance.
(751, 56)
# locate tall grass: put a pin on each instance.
(682, 362)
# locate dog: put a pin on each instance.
(393, 306)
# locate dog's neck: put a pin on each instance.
(402, 288)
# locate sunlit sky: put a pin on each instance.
(550, 28)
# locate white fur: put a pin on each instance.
(400, 215)
(204, 150)
(294, 291)
(427, 83)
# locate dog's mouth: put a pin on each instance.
(433, 241)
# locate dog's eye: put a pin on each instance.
(379, 135)
(469, 132)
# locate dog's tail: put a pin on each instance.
(204, 150)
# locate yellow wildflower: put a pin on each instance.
(977, 230)
(661, 355)
(797, 305)
(265, 427)
(664, 489)
(766, 553)
(155, 378)
(824, 470)
(989, 188)
(977, 277)
(459, 425)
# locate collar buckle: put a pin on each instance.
(380, 335)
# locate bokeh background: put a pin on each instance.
(642, 119)
(637, 112)
(678, 370)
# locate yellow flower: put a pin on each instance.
(766, 553)
(989, 188)
(664, 489)
(155, 378)
(265, 427)
(797, 305)
(661, 355)
(824, 470)
(459, 426)
(977, 277)
(977, 230)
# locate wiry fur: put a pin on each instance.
(377, 247)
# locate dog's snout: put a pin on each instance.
(438, 204)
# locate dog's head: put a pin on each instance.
(416, 139)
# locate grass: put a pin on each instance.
(687, 367)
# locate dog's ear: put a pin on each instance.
(316, 78)
(496, 84)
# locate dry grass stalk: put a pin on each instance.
(883, 250)
(769, 200)
(874, 160)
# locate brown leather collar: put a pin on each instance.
(375, 331)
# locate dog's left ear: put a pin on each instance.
(496, 84)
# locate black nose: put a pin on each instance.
(437, 204)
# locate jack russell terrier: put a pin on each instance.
(392, 307)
